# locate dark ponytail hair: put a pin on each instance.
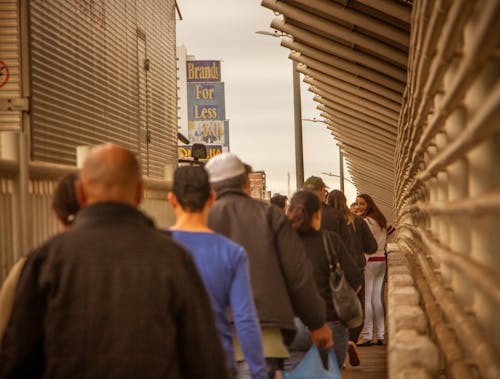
(373, 211)
(64, 201)
(303, 205)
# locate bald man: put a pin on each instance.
(112, 297)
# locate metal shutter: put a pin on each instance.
(85, 78)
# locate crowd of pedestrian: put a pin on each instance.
(236, 288)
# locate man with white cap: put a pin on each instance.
(281, 275)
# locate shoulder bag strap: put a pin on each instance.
(330, 252)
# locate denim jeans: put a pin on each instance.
(302, 343)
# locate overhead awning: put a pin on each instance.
(354, 56)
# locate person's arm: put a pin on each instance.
(200, 352)
(7, 294)
(246, 319)
(347, 237)
(21, 348)
(369, 242)
(351, 270)
(298, 273)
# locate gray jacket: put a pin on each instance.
(280, 272)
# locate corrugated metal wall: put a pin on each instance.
(91, 82)
(448, 183)
(100, 71)
(9, 61)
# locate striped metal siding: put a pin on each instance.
(85, 77)
(10, 56)
(157, 20)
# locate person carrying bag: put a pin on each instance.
(344, 298)
(311, 367)
(305, 216)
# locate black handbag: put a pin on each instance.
(345, 300)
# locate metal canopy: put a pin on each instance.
(354, 55)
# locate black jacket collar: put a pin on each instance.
(106, 212)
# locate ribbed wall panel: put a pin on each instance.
(10, 57)
(88, 80)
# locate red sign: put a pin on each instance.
(4, 74)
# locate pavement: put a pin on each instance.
(373, 364)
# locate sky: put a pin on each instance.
(259, 93)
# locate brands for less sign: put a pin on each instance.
(203, 71)
(206, 101)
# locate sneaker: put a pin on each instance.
(381, 342)
(353, 354)
(364, 343)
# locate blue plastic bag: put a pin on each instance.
(311, 367)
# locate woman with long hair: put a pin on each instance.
(65, 206)
(364, 243)
(304, 213)
(374, 273)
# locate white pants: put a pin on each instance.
(374, 310)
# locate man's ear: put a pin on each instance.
(139, 194)
(172, 199)
(81, 196)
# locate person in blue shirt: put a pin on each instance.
(223, 266)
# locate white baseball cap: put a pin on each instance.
(224, 166)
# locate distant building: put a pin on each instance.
(258, 185)
(201, 104)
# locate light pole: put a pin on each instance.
(341, 157)
(297, 115)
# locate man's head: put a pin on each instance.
(110, 173)
(226, 171)
(317, 185)
(279, 201)
(191, 189)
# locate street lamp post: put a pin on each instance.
(297, 111)
(341, 168)
(297, 115)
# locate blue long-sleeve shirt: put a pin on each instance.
(223, 266)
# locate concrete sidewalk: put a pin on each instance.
(373, 364)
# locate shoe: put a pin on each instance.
(353, 354)
(381, 342)
(364, 343)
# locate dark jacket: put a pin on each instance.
(333, 220)
(364, 241)
(313, 243)
(111, 298)
(280, 272)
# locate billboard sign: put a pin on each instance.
(184, 151)
(203, 71)
(211, 132)
(206, 101)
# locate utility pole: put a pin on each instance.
(341, 168)
(297, 112)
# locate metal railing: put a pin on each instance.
(448, 182)
(41, 223)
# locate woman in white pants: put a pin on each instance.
(374, 273)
